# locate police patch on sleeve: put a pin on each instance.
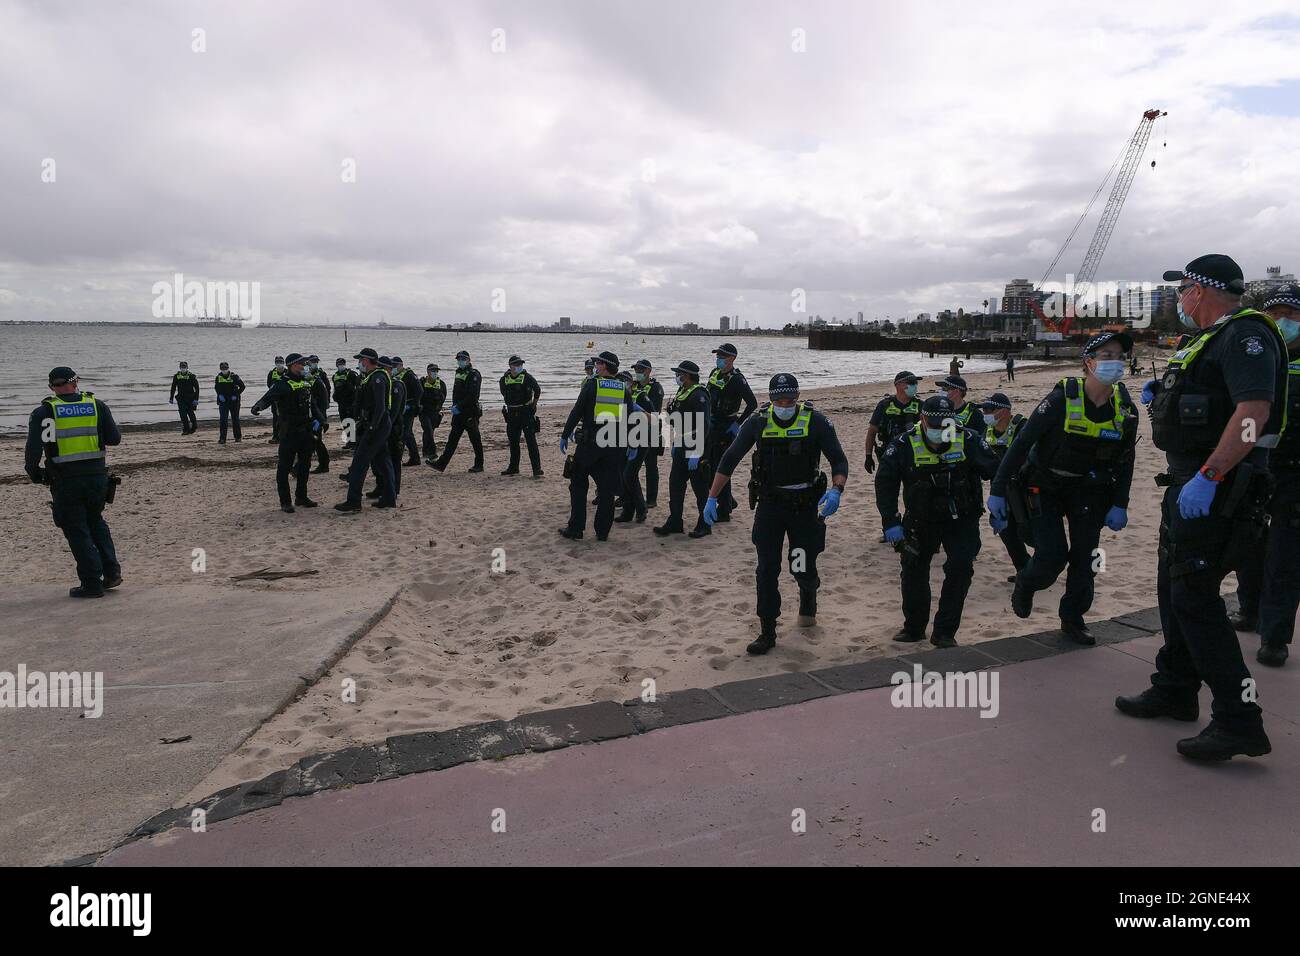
(890, 449)
(1253, 345)
(1042, 407)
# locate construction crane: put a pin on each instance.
(1127, 163)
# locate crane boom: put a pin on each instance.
(1115, 203)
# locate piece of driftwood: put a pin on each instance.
(269, 574)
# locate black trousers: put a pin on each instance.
(345, 412)
(783, 532)
(715, 445)
(1015, 546)
(228, 411)
(1200, 643)
(678, 478)
(295, 456)
(275, 421)
(78, 509)
(602, 465)
(408, 432)
(1011, 374)
(1268, 584)
(634, 502)
(960, 540)
(428, 424)
(520, 424)
(371, 452)
(1085, 511)
(462, 424)
(320, 450)
(185, 409)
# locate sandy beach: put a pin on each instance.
(464, 643)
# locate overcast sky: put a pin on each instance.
(653, 161)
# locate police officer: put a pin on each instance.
(939, 466)
(301, 418)
(71, 428)
(1268, 581)
(320, 385)
(228, 387)
(373, 412)
(520, 392)
(1215, 414)
(411, 410)
(465, 412)
(731, 401)
(789, 439)
(999, 433)
(1072, 462)
(689, 416)
(185, 387)
(345, 390)
(892, 416)
(648, 395)
(386, 492)
(602, 412)
(968, 416)
(433, 392)
(277, 372)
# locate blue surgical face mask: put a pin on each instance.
(461, 363)
(1187, 321)
(935, 435)
(1290, 328)
(516, 369)
(785, 414)
(1109, 371)
(642, 376)
(721, 362)
(680, 380)
(910, 391)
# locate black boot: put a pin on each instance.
(623, 516)
(1022, 600)
(346, 506)
(512, 470)
(571, 535)
(476, 468)
(85, 592)
(766, 639)
(905, 636)
(670, 527)
(305, 502)
(1218, 743)
(701, 530)
(1078, 633)
(943, 640)
(1270, 655)
(1154, 703)
(807, 608)
(1242, 621)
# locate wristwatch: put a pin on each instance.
(1211, 473)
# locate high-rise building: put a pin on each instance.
(724, 323)
(1274, 277)
(565, 322)
(1016, 296)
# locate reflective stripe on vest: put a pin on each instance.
(610, 395)
(963, 416)
(509, 379)
(76, 429)
(225, 380)
(911, 408)
(923, 457)
(1077, 421)
(798, 427)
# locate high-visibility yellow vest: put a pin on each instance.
(798, 427)
(610, 398)
(76, 428)
(1077, 421)
(923, 457)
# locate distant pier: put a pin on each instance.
(851, 340)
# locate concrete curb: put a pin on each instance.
(606, 720)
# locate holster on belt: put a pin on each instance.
(795, 498)
(113, 482)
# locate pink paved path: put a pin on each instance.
(880, 785)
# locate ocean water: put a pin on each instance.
(130, 367)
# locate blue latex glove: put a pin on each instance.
(1149, 391)
(710, 514)
(171, 401)
(564, 443)
(733, 429)
(631, 454)
(1116, 518)
(221, 399)
(455, 409)
(998, 507)
(692, 464)
(1196, 497)
(895, 534)
(315, 425)
(999, 524)
(830, 503)
(195, 403)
